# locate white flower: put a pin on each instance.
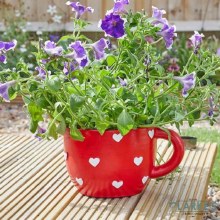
(57, 18)
(39, 32)
(30, 65)
(23, 48)
(52, 9)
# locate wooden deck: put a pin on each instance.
(35, 185)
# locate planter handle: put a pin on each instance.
(176, 158)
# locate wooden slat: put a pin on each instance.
(140, 210)
(176, 10)
(23, 197)
(24, 188)
(28, 169)
(45, 192)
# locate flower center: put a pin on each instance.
(114, 23)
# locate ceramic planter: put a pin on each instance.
(112, 165)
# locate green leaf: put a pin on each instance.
(61, 128)
(125, 122)
(54, 83)
(76, 134)
(35, 112)
(53, 131)
(76, 101)
(33, 126)
(111, 60)
(178, 116)
(42, 102)
(101, 126)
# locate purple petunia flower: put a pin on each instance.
(51, 48)
(157, 14)
(54, 37)
(123, 82)
(68, 68)
(168, 33)
(79, 9)
(3, 58)
(113, 25)
(188, 82)
(196, 40)
(119, 6)
(6, 46)
(39, 132)
(4, 90)
(99, 48)
(79, 53)
(41, 72)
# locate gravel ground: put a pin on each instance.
(13, 119)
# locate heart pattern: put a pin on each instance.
(65, 154)
(151, 133)
(138, 160)
(117, 184)
(94, 161)
(79, 181)
(144, 179)
(117, 137)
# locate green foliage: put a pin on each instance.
(94, 97)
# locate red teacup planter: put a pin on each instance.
(112, 165)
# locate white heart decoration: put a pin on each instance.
(117, 137)
(65, 154)
(144, 179)
(151, 133)
(138, 160)
(79, 181)
(94, 161)
(117, 184)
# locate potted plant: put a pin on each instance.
(111, 99)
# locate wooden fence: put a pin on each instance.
(186, 14)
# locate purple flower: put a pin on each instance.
(4, 90)
(168, 33)
(6, 46)
(39, 132)
(149, 39)
(54, 37)
(68, 68)
(157, 14)
(123, 82)
(79, 9)
(3, 59)
(41, 72)
(211, 106)
(218, 52)
(44, 61)
(174, 67)
(51, 48)
(113, 25)
(196, 40)
(99, 48)
(79, 53)
(188, 82)
(119, 6)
